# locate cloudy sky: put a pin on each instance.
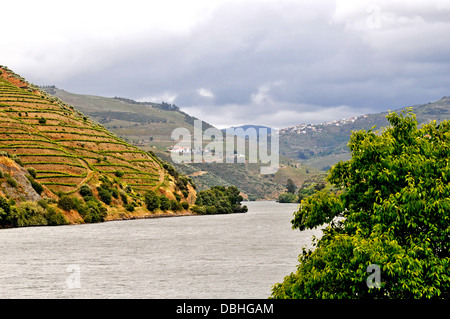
(268, 62)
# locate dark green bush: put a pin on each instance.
(114, 192)
(11, 181)
(287, 198)
(67, 203)
(119, 173)
(85, 190)
(219, 200)
(36, 186)
(164, 203)
(151, 200)
(8, 217)
(124, 198)
(93, 211)
(30, 214)
(175, 205)
(54, 218)
(185, 205)
(32, 172)
(105, 195)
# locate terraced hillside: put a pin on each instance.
(66, 149)
(149, 126)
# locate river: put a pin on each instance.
(220, 256)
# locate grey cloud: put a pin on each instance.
(278, 62)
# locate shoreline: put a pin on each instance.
(149, 216)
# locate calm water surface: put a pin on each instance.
(222, 256)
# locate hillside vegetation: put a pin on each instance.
(386, 227)
(62, 149)
(323, 145)
(149, 126)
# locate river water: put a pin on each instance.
(221, 256)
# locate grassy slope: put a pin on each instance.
(120, 117)
(67, 149)
(330, 145)
(137, 130)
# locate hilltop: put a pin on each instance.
(61, 149)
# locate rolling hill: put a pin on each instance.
(149, 126)
(65, 150)
(325, 144)
(306, 150)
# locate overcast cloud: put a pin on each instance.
(274, 63)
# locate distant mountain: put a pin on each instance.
(149, 126)
(249, 130)
(322, 145)
(144, 124)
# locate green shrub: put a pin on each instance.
(32, 172)
(104, 195)
(11, 181)
(36, 186)
(67, 203)
(175, 205)
(42, 120)
(8, 217)
(119, 173)
(85, 190)
(17, 160)
(185, 205)
(124, 198)
(30, 214)
(219, 200)
(287, 198)
(93, 211)
(129, 207)
(151, 200)
(128, 189)
(54, 218)
(114, 192)
(199, 210)
(164, 203)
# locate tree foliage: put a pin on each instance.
(290, 186)
(219, 200)
(393, 210)
(152, 200)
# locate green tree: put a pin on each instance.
(394, 209)
(164, 203)
(67, 203)
(92, 211)
(105, 195)
(85, 190)
(290, 186)
(219, 200)
(151, 200)
(287, 198)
